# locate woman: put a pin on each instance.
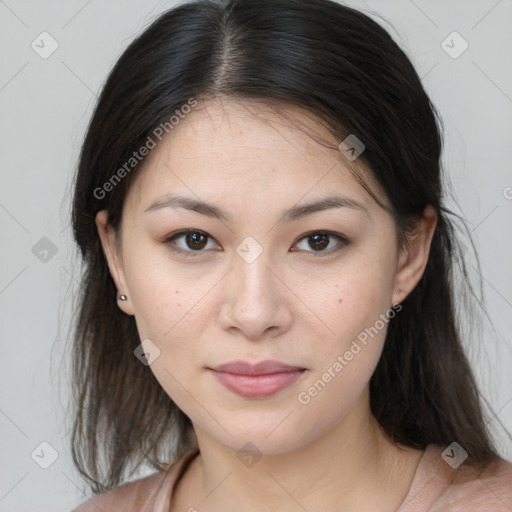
(268, 313)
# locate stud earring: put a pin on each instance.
(122, 297)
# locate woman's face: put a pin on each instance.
(253, 283)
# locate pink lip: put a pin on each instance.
(259, 380)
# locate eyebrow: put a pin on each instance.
(293, 214)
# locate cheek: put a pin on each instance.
(171, 316)
(355, 347)
(166, 300)
(171, 309)
(358, 314)
(345, 364)
(355, 301)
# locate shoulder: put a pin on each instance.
(486, 490)
(441, 486)
(149, 494)
(127, 497)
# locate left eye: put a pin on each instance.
(195, 241)
(320, 240)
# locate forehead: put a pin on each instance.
(238, 147)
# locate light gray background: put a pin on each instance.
(45, 106)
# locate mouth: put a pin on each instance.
(258, 380)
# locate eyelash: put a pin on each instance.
(344, 242)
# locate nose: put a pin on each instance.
(257, 304)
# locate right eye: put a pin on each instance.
(193, 241)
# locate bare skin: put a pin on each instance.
(376, 479)
(294, 304)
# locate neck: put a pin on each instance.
(338, 468)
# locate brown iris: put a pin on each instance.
(321, 241)
(196, 240)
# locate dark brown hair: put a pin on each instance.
(340, 65)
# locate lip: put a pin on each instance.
(261, 368)
(258, 380)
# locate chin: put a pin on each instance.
(258, 436)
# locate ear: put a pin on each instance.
(112, 250)
(414, 257)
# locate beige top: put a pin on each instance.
(435, 487)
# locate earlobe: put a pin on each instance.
(111, 251)
(414, 257)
